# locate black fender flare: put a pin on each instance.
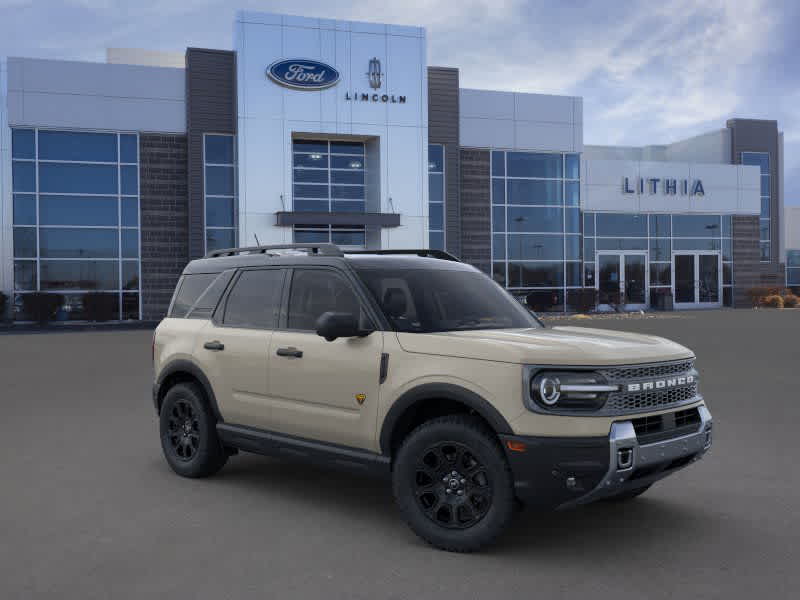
(434, 391)
(185, 366)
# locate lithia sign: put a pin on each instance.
(667, 186)
(306, 74)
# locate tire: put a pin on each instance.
(629, 495)
(189, 433)
(423, 472)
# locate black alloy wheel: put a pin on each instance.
(184, 430)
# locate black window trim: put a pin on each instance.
(219, 312)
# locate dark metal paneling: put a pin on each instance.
(337, 218)
(443, 115)
(476, 207)
(210, 108)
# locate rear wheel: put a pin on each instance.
(189, 434)
(452, 484)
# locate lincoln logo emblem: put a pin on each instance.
(374, 74)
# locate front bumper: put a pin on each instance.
(565, 472)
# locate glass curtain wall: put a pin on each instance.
(219, 159)
(436, 196)
(328, 176)
(761, 160)
(793, 268)
(536, 242)
(76, 220)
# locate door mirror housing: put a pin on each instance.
(332, 325)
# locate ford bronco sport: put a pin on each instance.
(414, 365)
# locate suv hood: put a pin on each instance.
(550, 346)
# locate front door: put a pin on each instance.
(622, 279)
(697, 279)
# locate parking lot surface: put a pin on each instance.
(89, 509)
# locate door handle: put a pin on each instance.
(291, 352)
(215, 345)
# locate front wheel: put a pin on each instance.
(453, 485)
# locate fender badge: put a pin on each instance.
(360, 398)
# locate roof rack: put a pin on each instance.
(312, 249)
(425, 253)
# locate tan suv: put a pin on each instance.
(413, 365)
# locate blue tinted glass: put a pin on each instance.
(78, 179)
(130, 212)
(696, 225)
(499, 247)
(498, 163)
(436, 188)
(660, 226)
(219, 212)
(573, 275)
(765, 208)
(572, 191)
(348, 238)
(436, 240)
(80, 275)
(695, 244)
(544, 274)
(539, 220)
(347, 192)
(311, 175)
(24, 209)
(23, 144)
(219, 149)
(727, 225)
(527, 191)
(78, 243)
(529, 164)
(793, 258)
(74, 145)
(311, 205)
(625, 225)
(310, 146)
(129, 180)
(219, 181)
(77, 210)
(25, 242)
(535, 247)
(130, 306)
(435, 158)
(727, 249)
(348, 206)
(764, 229)
(130, 243)
(765, 185)
(572, 220)
(436, 216)
(588, 271)
(588, 249)
(573, 166)
(660, 274)
(353, 177)
(320, 161)
(130, 274)
(498, 191)
(766, 251)
(498, 218)
(311, 237)
(793, 277)
(588, 224)
(310, 191)
(128, 149)
(621, 244)
(759, 159)
(25, 275)
(347, 148)
(341, 162)
(219, 238)
(23, 176)
(660, 249)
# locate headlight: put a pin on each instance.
(570, 390)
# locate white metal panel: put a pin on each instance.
(543, 107)
(299, 42)
(486, 133)
(405, 78)
(486, 104)
(546, 136)
(364, 47)
(258, 97)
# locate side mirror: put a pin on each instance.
(332, 325)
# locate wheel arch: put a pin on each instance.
(179, 371)
(436, 399)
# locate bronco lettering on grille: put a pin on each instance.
(660, 384)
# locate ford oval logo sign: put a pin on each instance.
(303, 74)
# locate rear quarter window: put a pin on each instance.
(190, 289)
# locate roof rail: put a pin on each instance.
(312, 249)
(425, 253)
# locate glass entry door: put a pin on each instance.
(697, 279)
(622, 279)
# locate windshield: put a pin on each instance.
(433, 300)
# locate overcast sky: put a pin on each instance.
(650, 72)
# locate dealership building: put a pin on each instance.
(113, 175)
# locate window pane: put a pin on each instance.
(623, 225)
(130, 212)
(311, 175)
(727, 249)
(189, 290)
(347, 148)
(588, 224)
(588, 274)
(572, 190)
(25, 275)
(25, 242)
(521, 191)
(78, 243)
(727, 226)
(529, 164)
(311, 237)
(727, 273)
(696, 225)
(130, 243)
(499, 273)
(77, 210)
(573, 274)
(219, 212)
(130, 274)
(765, 208)
(128, 149)
(24, 209)
(540, 220)
(354, 177)
(793, 258)
(498, 163)
(219, 149)
(23, 176)
(344, 162)
(545, 300)
(759, 159)
(217, 239)
(535, 247)
(130, 307)
(316, 161)
(572, 244)
(621, 243)
(660, 274)
(588, 249)
(129, 180)
(77, 179)
(572, 220)
(436, 187)
(349, 192)
(310, 191)
(660, 226)
(23, 144)
(310, 146)
(255, 299)
(765, 185)
(219, 181)
(695, 244)
(498, 218)
(435, 158)
(499, 247)
(536, 274)
(763, 229)
(311, 205)
(74, 145)
(766, 251)
(573, 166)
(436, 216)
(348, 206)
(348, 238)
(793, 277)
(436, 240)
(79, 275)
(316, 291)
(660, 249)
(498, 191)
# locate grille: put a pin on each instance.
(647, 371)
(684, 418)
(645, 425)
(622, 402)
(656, 428)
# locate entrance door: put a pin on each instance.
(622, 279)
(697, 279)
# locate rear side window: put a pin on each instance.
(189, 290)
(207, 302)
(255, 299)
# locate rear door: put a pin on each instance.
(234, 346)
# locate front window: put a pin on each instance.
(219, 159)
(436, 300)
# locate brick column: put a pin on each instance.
(476, 210)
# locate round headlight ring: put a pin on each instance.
(549, 389)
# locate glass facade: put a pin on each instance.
(536, 241)
(328, 176)
(793, 268)
(76, 219)
(436, 196)
(761, 160)
(219, 167)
